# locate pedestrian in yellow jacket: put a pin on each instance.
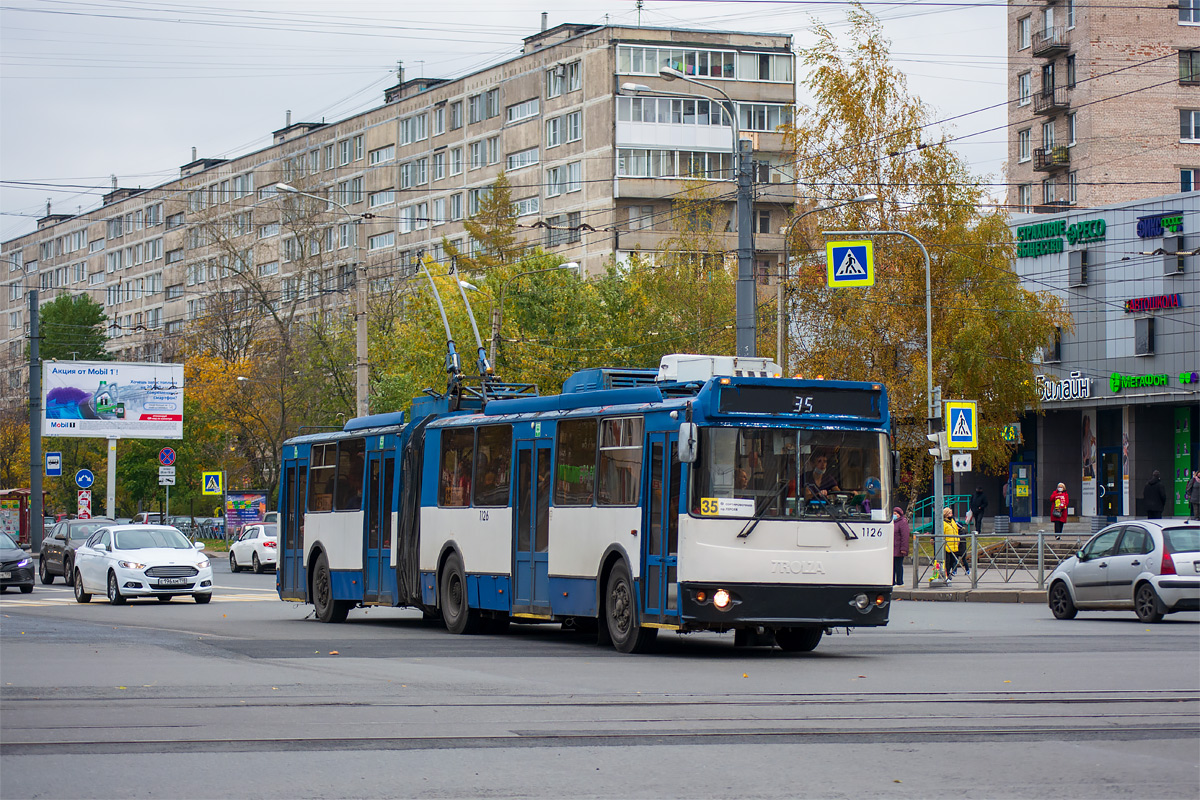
(950, 530)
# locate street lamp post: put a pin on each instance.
(745, 301)
(824, 205)
(937, 460)
(360, 291)
(498, 310)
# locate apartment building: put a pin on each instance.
(1104, 102)
(593, 175)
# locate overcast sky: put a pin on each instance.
(89, 90)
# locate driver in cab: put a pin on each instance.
(819, 481)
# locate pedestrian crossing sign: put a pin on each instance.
(962, 424)
(850, 264)
(212, 482)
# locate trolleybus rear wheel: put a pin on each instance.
(798, 640)
(456, 613)
(328, 609)
(620, 614)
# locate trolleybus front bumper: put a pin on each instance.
(782, 605)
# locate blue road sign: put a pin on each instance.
(850, 263)
(166, 456)
(53, 465)
(84, 479)
(962, 425)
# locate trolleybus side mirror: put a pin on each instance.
(687, 442)
(895, 469)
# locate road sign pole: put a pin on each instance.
(110, 504)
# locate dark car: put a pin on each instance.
(58, 548)
(16, 567)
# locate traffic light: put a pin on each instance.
(941, 448)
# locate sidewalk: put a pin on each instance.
(992, 588)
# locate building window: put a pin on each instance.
(1023, 33)
(554, 132)
(456, 161)
(456, 207)
(1078, 266)
(523, 110)
(493, 150)
(1187, 180)
(574, 76)
(1024, 90)
(564, 179)
(439, 121)
(382, 155)
(1024, 153)
(1071, 71)
(456, 115)
(1189, 66)
(1048, 191)
(1025, 198)
(412, 129)
(439, 211)
(1070, 14)
(1073, 187)
(381, 241)
(358, 147)
(384, 198)
(521, 159)
(1189, 12)
(1189, 124)
(527, 206)
(344, 152)
(439, 166)
(422, 170)
(641, 218)
(491, 104)
(1048, 135)
(556, 80)
(475, 108)
(1071, 119)
(476, 154)
(1052, 351)
(1143, 336)
(474, 198)
(1048, 80)
(574, 126)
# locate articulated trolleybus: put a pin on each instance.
(709, 495)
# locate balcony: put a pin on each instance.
(1050, 41)
(1051, 159)
(1051, 207)
(1052, 101)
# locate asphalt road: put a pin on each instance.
(248, 697)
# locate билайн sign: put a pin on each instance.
(1075, 387)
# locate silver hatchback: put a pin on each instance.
(1149, 566)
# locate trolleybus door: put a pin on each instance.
(661, 523)
(531, 566)
(378, 521)
(292, 581)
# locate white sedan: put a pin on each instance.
(141, 561)
(257, 546)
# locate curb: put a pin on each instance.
(972, 595)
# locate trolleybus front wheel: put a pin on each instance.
(328, 609)
(620, 614)
(456, 613)
(798, 640)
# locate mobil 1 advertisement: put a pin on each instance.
(112, 400)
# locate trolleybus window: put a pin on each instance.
(458, 456)
(575, 478)
(742, 472)
(322, 476)
(493, 464)
(351, 459)
(620, 461)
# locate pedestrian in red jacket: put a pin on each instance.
(1058, 507)
(899, 545)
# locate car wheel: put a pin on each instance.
(202, 598)
(798, 640)
(620, 614)
(328, 609)
(456, 610)
(27, 588)
(1061, 604)
(257, 565)
(46, 577)
(165, 598)
(68, 572)
(80, 595)
(233, 565)
(114, 592)
(1146, 604)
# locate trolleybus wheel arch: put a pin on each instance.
(452, 596)
(620, 613)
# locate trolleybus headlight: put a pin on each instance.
(860, 601)
(721, 599)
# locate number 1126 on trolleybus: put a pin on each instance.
(709, 495)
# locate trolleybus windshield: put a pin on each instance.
(791, 474)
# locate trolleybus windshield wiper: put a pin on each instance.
(771, 499)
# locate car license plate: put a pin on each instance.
(172, 581)
(5, 574)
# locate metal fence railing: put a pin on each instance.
(1027, 558)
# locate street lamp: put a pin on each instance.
(786, 231)
(745, 300)
(498, 310)
(360, 314)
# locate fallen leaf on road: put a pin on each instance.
(334, 653)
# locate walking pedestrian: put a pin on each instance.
(950, 530)
(1059, 501)
(979, 505)
(1192, 494)
(1154, 496)
(900, 540)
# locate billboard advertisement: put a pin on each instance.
(112, 400)
(242, 509)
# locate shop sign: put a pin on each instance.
(1076, 387)
(1043, 238)
(1189, 377)
(1011, 433)
(1156, 225)
(1117, 381)
(1153, 303)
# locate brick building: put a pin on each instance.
(1104, 103)
(593, 175)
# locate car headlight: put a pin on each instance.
(24, 562)
(131, 565)
(202, 564)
